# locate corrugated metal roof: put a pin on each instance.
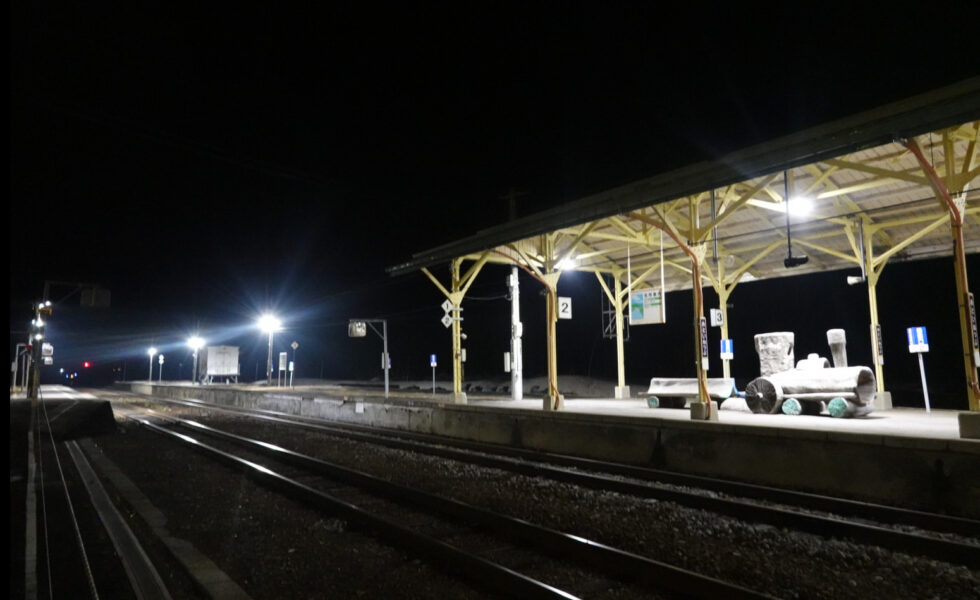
(852, 171)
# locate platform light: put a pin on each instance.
(800, 206)
(196, 343)
(567, 263)
(152, 352)
(269, 324)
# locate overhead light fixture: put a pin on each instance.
(854, 279)
(801, 206)
(568, 263)
(791, 261)
(269, 323)
(795, 261)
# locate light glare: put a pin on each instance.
(269, 323)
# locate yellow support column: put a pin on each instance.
(622, 390)
(552, 399)
(723, 293)
(616, 299)
(882, 398)
(459, 286)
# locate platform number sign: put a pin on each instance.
(918, 340)
(727, 350)
(564, 307)
(704, 344)
(879, 349)
(973, 325)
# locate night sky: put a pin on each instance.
(207, 163)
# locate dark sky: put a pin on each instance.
(208, 162)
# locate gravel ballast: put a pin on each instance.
(250, 523)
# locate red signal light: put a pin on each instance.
(86, 364)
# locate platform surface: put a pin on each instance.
(897, 422)
(938, 424)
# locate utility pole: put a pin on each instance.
(34, 350)
(511, 197)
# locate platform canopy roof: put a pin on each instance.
(857, 195)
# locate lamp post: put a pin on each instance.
(269, 324)
(196, 343)
(152, 352)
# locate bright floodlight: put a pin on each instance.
(152, 351)
(196, 343)
(269, 323)
(800, 206)
(568, 263)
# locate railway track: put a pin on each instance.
(912, 532)
(78, 543)
(518, 558)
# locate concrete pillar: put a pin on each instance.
(516, 331)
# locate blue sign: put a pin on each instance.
(727, 350)
(918, 340)
(432, 360)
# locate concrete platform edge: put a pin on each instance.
(927, 474)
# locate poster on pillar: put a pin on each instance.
(647, 307)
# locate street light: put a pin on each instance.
(269, 324)
(196, 343)
(152, 352)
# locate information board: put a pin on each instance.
(647, 307)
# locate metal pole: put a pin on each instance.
(516, 330)
(268, 364)
(925, 390)
(150, 376)
(384, 329)
(194, 369)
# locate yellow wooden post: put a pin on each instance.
(723, 292)
(457, 336)
(698, 252)
(620, 347)
(726, 368)
(871, 275)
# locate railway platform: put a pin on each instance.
(901, 457)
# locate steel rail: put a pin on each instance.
(397, 439)
(140, 570)
(482, 571)
(627, 566)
